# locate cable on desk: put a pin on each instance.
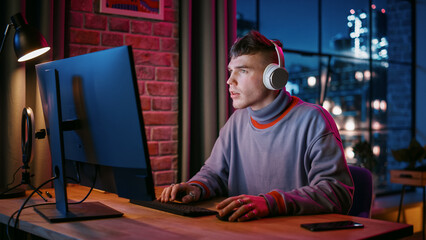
(23, 205)
(77, 170)
(41, 204)
(13, 180)
(14, 176)
(91, 188)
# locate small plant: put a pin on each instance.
(413, 154)
(365, 155)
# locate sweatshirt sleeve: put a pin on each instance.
(330, 188)
(213, 176)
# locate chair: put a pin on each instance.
(363, 192)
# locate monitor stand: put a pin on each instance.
(77, 212)
(63, 211)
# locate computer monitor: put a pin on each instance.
(94, 125)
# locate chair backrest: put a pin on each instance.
(363, 193)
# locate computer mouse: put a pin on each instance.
(226, 217)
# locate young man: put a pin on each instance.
(276, 155)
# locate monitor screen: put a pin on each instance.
(95, 125)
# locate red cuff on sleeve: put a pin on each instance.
(280, 202)
(206, 189)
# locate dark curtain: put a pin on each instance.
(19, 88)
(207, 31)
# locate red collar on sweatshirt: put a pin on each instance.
(294, 101)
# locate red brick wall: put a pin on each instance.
(155, 50)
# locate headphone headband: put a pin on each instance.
(280, 54)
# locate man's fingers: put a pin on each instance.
(225, 202)
(174, 190)
(167, 194)
(183, 192)
(192, 196)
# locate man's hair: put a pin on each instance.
(253, 43)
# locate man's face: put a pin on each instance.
(246, 84)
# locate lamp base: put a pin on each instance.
(12, 193)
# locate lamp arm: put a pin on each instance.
(5, 35)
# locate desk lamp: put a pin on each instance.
(28, 44)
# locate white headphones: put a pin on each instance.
(275, 76)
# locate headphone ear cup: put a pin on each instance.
(275, 77)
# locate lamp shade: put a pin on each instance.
(28, 42)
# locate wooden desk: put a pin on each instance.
(144, 223)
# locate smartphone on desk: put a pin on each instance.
(331, 225)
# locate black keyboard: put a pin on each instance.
(176, 208)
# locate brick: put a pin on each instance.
(153, 58)
(93, 21)
(161, 163)
(166, 74)
(141, 87)
(140, 57)
(145, 72)
(175, 133)
(162, 104)
(175, 104)
(175, 60)
(76, 19)
(175, 31)
(143, 42)
(84, 36)
(161, 59)
(81, 5)
(148, 136)
(175, 165)
(168, 3)
(153, 148)
(119, 24)
(169, 147)
(112, 39)
(164, 177)
(169, 45)
(142, 27)
(163, 29)
(95, 49)
(76, 50)
(162, 88)
(160, 118)
(162, 133)
(146, 103)
(155, 48)
(148, 132)
(170, 15)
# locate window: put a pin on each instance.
(352, 57)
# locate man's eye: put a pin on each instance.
(243, 71)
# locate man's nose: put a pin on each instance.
(231, 80)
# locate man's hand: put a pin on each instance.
(246, 207)
(184, 192)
